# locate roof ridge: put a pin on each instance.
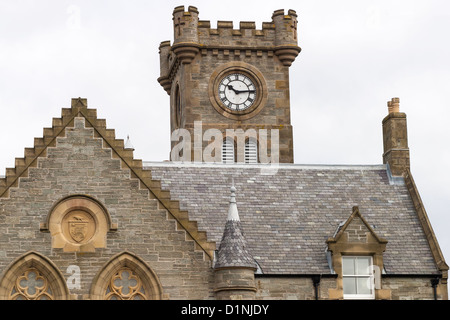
(299, 166)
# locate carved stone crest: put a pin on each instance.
(78, 228)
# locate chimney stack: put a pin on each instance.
(395, 139)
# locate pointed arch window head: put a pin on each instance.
(33, 277)
(126, 277)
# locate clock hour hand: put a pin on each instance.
(239, 91)
(231, 88)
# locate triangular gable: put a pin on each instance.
(79, 109)
(356, 229)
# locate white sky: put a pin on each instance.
(356, 55)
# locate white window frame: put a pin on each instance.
(370, 277)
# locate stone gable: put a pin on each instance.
(81, 164)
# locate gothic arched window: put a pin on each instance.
(33, 277)
(126, 277)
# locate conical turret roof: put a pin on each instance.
(233, 250)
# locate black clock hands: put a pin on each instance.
(231, 88)
(240, 91)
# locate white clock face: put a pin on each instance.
(237, 91)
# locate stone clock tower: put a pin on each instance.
(232, 81)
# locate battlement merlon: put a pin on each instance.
(165, 59)
(185, 33)
(192, 35)
(286, 47)
(185, 25)
(189, 30)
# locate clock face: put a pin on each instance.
(237, 91)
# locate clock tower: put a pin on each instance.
(229, 87)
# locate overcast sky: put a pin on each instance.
(356, 55)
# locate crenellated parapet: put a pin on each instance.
(185, 26)
(286, 36)
(165, 61)
(277, 38)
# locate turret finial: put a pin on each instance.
(233, 213)
(128, 144)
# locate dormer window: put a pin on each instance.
(356, 256)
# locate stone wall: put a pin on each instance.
(302, 288)
(82, 164)
(411, 288)
(292, 288)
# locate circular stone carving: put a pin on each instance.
(79, 224)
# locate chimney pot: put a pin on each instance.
(394, 105)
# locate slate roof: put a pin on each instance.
(233, 250)
(288, 216)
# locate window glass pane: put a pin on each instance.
(349, 285)
(364, 285)
(362, 265)
(348, 265)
